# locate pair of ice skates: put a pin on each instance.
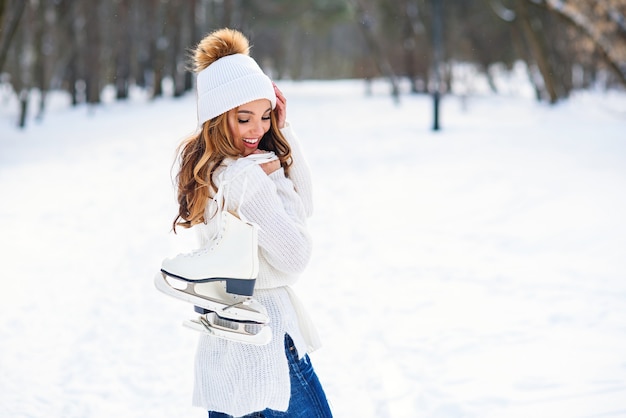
(219, 280)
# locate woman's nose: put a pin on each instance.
(257, 129)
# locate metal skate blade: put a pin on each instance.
(241, 310)
(256, 334)
(220, 316)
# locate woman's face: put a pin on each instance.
(248, 123)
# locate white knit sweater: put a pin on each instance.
(238, 379)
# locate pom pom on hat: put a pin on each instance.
(227, 76)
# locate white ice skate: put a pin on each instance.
(219, 280)
(232, 257)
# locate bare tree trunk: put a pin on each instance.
(159, 46)
(93, 67)
(380, 59)
(6, 35)
(181, 37)
(25, 59)
(411, 27)
(194, 36)
(123, 48)
(23, 99)
(73, 62)
(40, 57)
(144, 16)
(227, 15)
(65, 63)
(538, 49)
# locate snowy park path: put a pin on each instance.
(475, 272)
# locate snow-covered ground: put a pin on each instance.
(475, 272)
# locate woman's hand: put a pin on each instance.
(270, 166)
(281, 107)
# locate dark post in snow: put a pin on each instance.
(437, 54)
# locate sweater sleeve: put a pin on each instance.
(299, 172)
(273, 205)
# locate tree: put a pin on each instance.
(82, 47)
(602, 23)
(10, 15)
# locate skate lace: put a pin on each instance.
(213, 243)
(221, 198)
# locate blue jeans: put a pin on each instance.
(307, 396)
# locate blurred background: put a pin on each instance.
(82, 46)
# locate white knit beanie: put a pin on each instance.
(229, 82)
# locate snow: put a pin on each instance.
(478, 271)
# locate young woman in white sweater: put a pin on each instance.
(241, 112)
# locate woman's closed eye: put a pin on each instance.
(248, 120)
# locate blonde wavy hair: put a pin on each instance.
(201, 153)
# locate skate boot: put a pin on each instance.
(220, 280)
(232, 257)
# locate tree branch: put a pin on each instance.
(580, 22)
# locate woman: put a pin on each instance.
(241, 112)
